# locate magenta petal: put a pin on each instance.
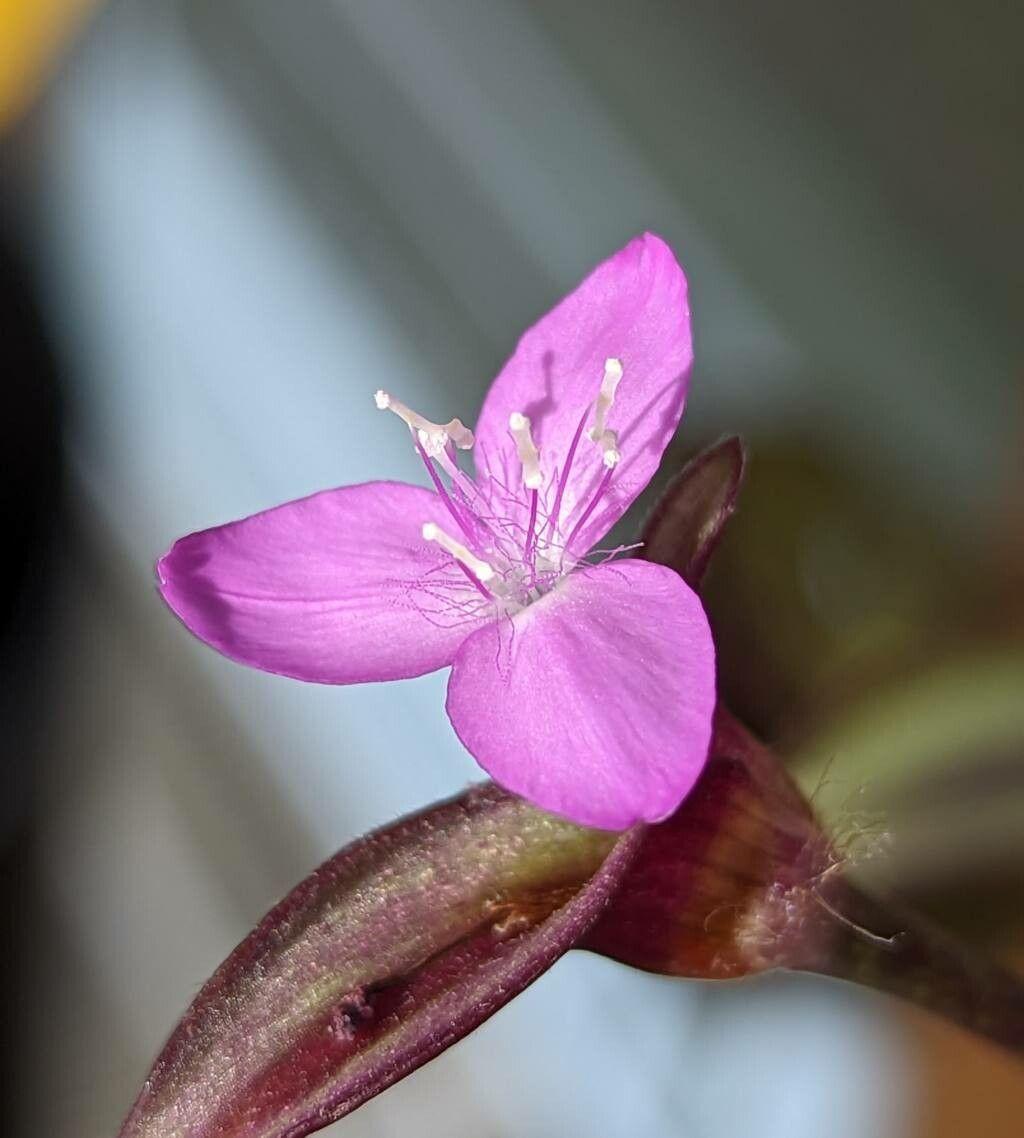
(337, 588)
(594, 702)
(633, 307)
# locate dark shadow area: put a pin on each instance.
(31, 492)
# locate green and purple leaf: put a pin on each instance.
(391, 951)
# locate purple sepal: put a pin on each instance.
(688, 520)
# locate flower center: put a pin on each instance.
(514, 543)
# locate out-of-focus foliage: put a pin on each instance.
(886, 657)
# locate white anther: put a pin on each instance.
(433, 437)
(606, 397)
(433, 442)
(609, 444)
(519, 425)
(480, 569)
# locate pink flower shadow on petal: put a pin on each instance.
(338, 588)
(632, 308)
(595, 702)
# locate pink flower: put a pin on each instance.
(585, 685)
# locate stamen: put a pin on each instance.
(585, 516)
(443, 494)
(480, 569)
(531, 529)
(563, 480)
(433, 437)
(612, 375)
(519, 425)
(609, 444)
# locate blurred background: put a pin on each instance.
(224, 225)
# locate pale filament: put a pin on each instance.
(480, 569)
(433, 437)
(605, 399)
(519, 425)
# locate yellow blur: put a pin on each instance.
(32, 32)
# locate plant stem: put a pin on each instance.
(883, 946)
